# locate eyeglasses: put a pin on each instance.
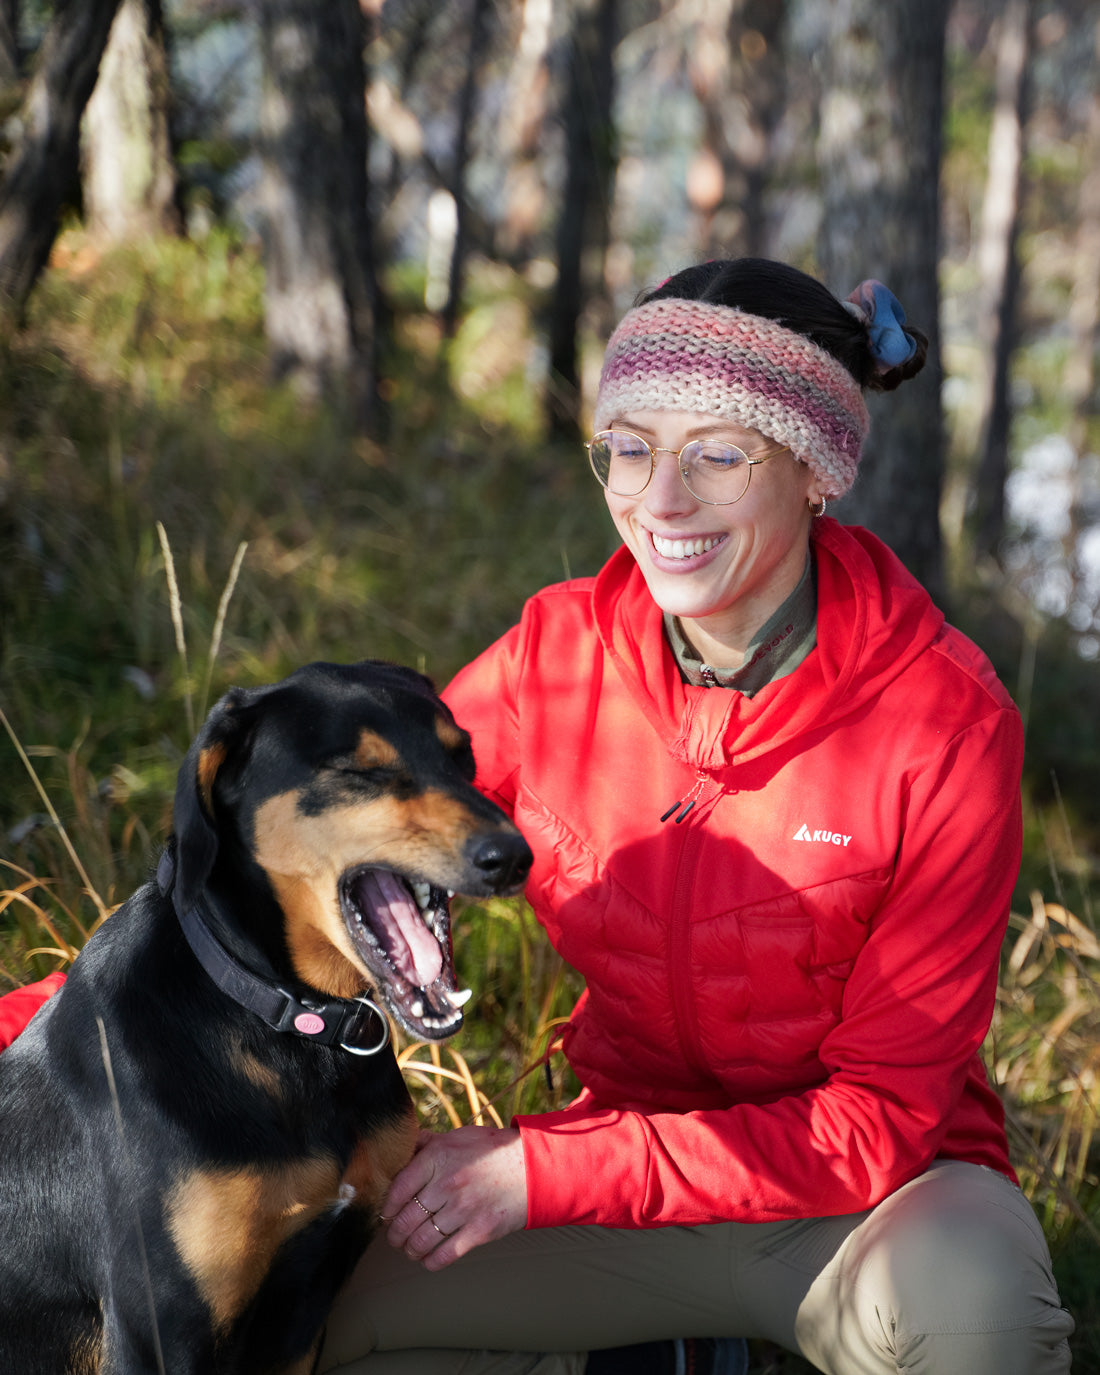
(714, 471)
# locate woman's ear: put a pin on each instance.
(811, 485)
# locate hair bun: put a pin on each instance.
(897, 350)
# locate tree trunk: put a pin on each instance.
(9, 47)
(1079, 378)
(321, 293)
(879, 155)
(394, 128)
(583, 224)
(44, 167)
(521, 131)
(737, 74)
(999, 268)
(459, 161)
(129, 178)
(757, 30)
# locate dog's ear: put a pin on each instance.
(193, 820)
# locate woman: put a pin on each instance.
(774, 804)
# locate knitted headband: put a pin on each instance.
(674, 355)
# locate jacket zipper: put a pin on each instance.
(680, 930)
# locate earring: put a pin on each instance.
(817, 511)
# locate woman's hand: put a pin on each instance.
(460, 1189)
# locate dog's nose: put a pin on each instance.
(503, 859)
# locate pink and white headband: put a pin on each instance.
(675, 355)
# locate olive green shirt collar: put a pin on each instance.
(776, 650)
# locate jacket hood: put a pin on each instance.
(873, 620)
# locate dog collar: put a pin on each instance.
(356, 1025)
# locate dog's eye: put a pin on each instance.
(347, 784)
(372, 776)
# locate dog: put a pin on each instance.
(198, 1129)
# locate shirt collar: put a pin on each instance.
(777, 648)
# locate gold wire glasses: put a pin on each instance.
(713, 470)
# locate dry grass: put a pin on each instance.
(1044, 1055)
(141, 447)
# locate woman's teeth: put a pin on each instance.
(684, 548)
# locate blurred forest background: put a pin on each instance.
(301, 311)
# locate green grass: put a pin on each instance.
(138, 396)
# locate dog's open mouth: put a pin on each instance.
(402, 931)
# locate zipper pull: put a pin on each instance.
(688, 801)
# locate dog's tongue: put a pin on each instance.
(410, 945)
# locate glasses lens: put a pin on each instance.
(621, 461)
(715, 472)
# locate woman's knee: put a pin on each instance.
(957, 1259)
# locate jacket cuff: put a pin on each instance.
(570, 1177)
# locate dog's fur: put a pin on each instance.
(179, 1182)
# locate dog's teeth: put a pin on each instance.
(439, 1023)
(417, 1008)
(450, 894)
(459, 997)
(423, 894)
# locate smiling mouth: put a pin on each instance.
(684, 548)
(401, 930)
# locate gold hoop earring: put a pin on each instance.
(817, 511)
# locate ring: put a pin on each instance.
(426, 1211)
(439, 1229)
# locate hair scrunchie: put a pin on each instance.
(879, 309)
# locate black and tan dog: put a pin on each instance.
(197, 1130)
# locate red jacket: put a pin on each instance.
(786, 989)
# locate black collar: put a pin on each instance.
(354, 1024)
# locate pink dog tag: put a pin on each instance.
(309, 1023)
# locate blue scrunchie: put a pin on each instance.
(890, 345)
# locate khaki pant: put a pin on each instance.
(949, 1275)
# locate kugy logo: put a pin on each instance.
(824, 837)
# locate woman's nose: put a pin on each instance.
(666, 492)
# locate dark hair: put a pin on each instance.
(760, 286)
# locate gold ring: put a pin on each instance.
(426, 1211)
(439, 1229)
